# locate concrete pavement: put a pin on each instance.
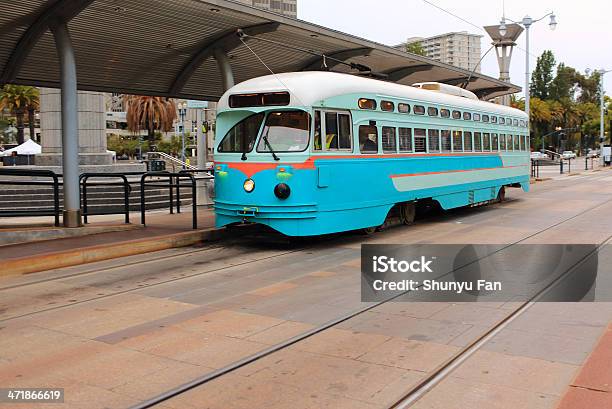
(117, 332)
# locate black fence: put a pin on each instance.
(535, 168)
(127, 189)
(43, 174)
(174, 182)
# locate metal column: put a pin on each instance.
(70, 136)
(225, 68)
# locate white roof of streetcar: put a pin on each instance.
(311, 87)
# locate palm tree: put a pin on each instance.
(150, 114)
(517, 103)
(32, 107)
(18, 99)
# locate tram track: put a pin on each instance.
(431, 380)
(183, 253)
(141, 287)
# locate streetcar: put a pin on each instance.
(312, 153)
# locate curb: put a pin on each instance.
(69, 258)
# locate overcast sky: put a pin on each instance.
(583, 38)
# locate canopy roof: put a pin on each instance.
(166, 47)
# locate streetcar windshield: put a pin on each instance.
(285, 131)
(241, 138)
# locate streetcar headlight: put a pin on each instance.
(249, 185)
(282, 191)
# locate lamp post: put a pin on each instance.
(527, 22)
(602, 107)
(557, 129)
(182, 108)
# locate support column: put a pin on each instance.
(70, 137)
(225, 68)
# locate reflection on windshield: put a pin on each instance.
(242, 136)
(287, 131)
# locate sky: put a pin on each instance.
(582, 39)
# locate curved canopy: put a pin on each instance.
(168, 48)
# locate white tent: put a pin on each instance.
(29, 147)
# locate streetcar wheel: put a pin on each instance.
(368, 231)
(501, 196)
(407, 213)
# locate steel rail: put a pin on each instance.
(199, 381)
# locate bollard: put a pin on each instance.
(561, 165)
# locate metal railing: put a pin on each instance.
(37, 174)
(569, 165)
(174, 182)
(172, 159)
(535, 168)
(127, 189)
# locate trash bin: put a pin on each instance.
(157, 165)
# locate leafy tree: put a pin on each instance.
(564, 83)
(416, 48)
(542, 76)
(20, 99)
(589, 87)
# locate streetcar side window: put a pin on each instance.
(502, 120)
(456, 114)
(517, 144)
(317, 131)
(502, 142)
(420, 140)
(467, 116)
(485, 118)
(509, 142)
(366, 103)
(446, 140)
(525, 143)
(419, 109)
(477, 141)
(331, 130)
(467, 141)
(337, 127)
(434, 140)
(368, 139)
(494, 142)
(476, 117)
(457, 141)
(432, 111)
(486, 142)
(493, 119)
(405, 140)
(388, 139)
(344, 132)
(445, 113)
(403, 108)
(387, 106)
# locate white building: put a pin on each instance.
(460, 49)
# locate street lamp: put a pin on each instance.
(182, 108)
(527, 22)
(602, 72)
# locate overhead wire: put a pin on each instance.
(470, 23)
